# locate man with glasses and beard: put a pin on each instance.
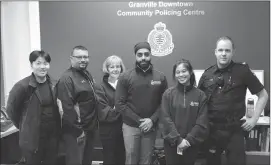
(225, 86)
(138, 97)
(76, 96)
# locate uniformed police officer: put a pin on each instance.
(225, 85)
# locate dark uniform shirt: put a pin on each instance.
(226, 91)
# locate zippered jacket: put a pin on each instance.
(106, 112)
(76, 93)
(184, 115)
(138, 95)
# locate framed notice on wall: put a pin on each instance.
(259, 74)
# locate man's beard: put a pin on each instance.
(83, 67)
(143, 65)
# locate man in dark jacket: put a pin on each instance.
(76, 96)
(32, 107)
(138, 97)
(225, 86)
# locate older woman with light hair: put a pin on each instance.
(110, 119)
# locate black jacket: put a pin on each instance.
(76, 92)
(106, 111)
(139, 94)
(184, 115)
(24, 109)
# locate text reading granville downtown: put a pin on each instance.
(152, 4)
(161, 8)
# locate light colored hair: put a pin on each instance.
(109, 60)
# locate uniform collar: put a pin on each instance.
(227, 69)
(139, 69)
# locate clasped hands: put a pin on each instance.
(145, 125)
(183, 145)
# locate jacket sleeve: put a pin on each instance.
(66, 95)
(200, 84)
(155, 115)
(121, 101)
(105, 112)
(169, 131)
(15, 104)
(201, 129)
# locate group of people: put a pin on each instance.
(128, 107)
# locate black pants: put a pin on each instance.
(113, 144)
(233, 143)
(79, 152)
(48, 147)
(172, 158)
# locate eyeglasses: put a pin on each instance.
(81, 57)
(146, 54)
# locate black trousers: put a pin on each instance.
(233, 143)
(48, 147)
(79, 152)
(172, 158)
(113, 144)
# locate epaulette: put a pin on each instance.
(209, 68)
(242, 64)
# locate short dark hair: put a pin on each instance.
(226, 38)
(39, 53)
(188, 66)
(79, 47)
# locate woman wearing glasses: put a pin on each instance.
(32, 108)
(183, 117)
(110, 120)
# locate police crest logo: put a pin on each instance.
(160, 40)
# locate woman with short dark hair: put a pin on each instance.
(32, 107)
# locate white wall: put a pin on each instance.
(20, 29)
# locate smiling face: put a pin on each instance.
(223, 53)
(114, 69)
(182, 74)
(79, 59)
(40, 67)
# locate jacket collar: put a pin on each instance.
(139, 69)
(105, 80)
(183, 88)
(227, 69)
(33, 82)
(85, 73)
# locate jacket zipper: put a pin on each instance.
(96, 99)
(184, 96)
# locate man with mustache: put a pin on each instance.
(76, 96)
(138, 97)
(225, 86)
